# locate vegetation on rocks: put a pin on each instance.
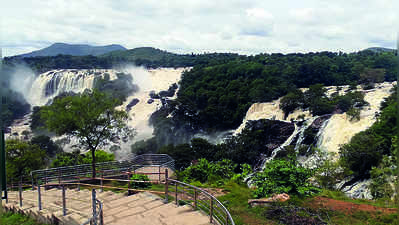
(367, 148)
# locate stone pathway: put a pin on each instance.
(143, 208)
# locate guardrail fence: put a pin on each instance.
(157, 167)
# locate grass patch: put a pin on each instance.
(16, 219)
(236, 202)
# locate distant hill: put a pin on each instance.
(153, 57)
(380, 49)
(143, 56)
(141, 53)
(72, 49)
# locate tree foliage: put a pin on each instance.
(212, 172)
(76, 158)
(283, 176)
(46, 144)
(22, 158)
(216, 97)
(367, 148)
(91, 117)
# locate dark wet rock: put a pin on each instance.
(270, 134)
(310, 134)
(132, 103)
(154, 95)
(150, 101)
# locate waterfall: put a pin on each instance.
(52, 83)
(301, 132)
(275, 151)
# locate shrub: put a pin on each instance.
(240, 177)
(353, 114)
(381, 178)
(140, 185)
(283, 176)
(205, 171)
(329, 173)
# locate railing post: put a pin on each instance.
(102, 181)
(78, 183)
(93, 197)
(6, 194)
(45, 180)
(195, 199)
(33, 185)
(211, 211)
(39, 197)
(59, 176)
(78, 176)
(177, 202)
(102, 216)
(159, 174)
(128, 181)
(64, 212)
(166, 186)
(20, 194)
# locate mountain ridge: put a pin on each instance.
(73, 49)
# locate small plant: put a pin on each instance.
(353, 114)
(140, 185)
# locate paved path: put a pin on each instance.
(143, 208)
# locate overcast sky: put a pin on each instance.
(185, 26)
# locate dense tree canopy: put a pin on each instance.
(366, 149)
(22, 158)
(91, 117)
(218, 96)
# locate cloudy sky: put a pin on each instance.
(185, 26)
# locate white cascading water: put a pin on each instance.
(52, 83)
(339, 129)
(335, 131)
(48, 85)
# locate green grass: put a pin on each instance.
(237, 203)
(16, 219)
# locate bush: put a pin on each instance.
(239, 178)
(291, 101)
(140, 185)
(329, 173)
(213, 172)
(364, 151)
(353, 114)
(381, 179)
(283, 176)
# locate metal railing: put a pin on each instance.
(69, 173)
(98, 214)
(156, 166)
(199, 199)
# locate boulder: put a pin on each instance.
(267, 201)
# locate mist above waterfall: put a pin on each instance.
(140, 75)
(21, 80)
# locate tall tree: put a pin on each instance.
(91, 117)
(22, 158)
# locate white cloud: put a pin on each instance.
(197, 25)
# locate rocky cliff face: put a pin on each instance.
(326, 132)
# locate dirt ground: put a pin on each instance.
(347, 207)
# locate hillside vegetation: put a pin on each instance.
(218, 96)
